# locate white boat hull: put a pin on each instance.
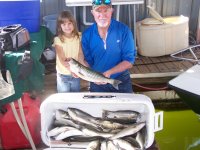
(187, 86)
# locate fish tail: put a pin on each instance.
(116, 83)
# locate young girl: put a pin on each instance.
(67, 45)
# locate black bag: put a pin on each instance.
(13, 37)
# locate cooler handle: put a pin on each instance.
(98, 96)
(158, 121)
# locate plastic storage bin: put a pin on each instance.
(164, 39)
(50, 22)
(24, 12)
(94, 103)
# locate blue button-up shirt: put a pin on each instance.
(103, 55)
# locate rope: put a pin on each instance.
(150, 88)
(29, 137)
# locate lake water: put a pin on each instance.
(181, 131)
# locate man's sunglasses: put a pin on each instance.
(99, 2)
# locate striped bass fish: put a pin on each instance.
(90, 75)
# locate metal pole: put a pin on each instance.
(134, 24)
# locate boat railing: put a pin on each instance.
(178, 54)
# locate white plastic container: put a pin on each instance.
(93, 103)
(163, 39)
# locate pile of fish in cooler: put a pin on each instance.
(114, 130)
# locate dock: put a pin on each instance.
(150, 75)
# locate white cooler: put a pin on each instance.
(94, 103)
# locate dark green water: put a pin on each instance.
(180, 132)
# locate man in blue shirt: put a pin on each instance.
(108, 48)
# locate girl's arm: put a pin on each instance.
(61, 56)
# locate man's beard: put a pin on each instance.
(102, 23)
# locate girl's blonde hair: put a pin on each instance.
(64, 15)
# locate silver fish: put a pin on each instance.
(94, 145)
(129, 130)
(82, 117)
(69, 133)
(110, 125)
(90, 75)
(67, 122)
(122, 144)
(133, 141)
(141, 138)
(103, 145)
(61, 114)
(80, 113)
(111, 146)
(123, 121)
(102, 125)
(126, 115)
(57, 130)
(93, 132)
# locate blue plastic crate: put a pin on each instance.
(50, 22)
(24, 12)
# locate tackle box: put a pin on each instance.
(94, 103)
